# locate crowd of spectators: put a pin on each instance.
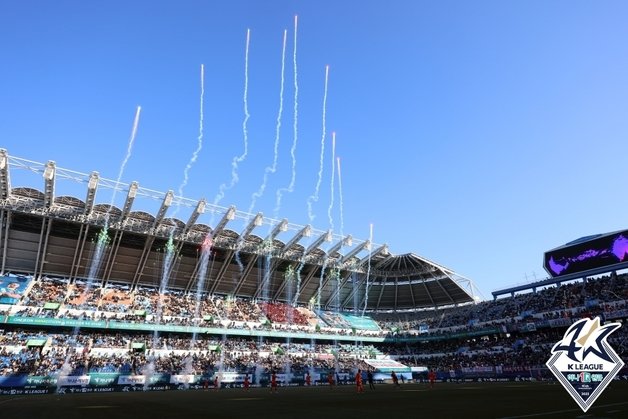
(76, 354)
(284, 313)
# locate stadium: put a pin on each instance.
(100, 299)
(473, 135)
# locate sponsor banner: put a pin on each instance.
(41, 381)
(47, 321)
(100, 379)
(13, 380)
(24, 391)
(232, 377)
(80, 380)
(387, 365)
(478, 370)
(159, 378)
(132, 380)
(182, 379)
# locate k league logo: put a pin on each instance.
(584, 362)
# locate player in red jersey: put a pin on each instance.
(273, 382)
(431, 376)
(358, 382)
(395, 380)
(308, 379)
(330, 380)
(246, 382)
(216, 382)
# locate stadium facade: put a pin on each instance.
(46, 233)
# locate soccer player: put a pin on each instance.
(330, 380)
(216, 382)
(273, 382)
(369, 377)
(394, 379)
(246, 382)
(432, 377)
(358, 382)
(308, 379)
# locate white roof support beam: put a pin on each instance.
(5, 182)
(383, 249)
(200, 209)
(229, 215)
(161, 214)
(130, 197)
(342, 242)
(279, 228)
(358, 249)
(255, 222)
(92, 186)
(325, 237)
(49, 183)
(305, 232)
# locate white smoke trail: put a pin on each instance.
(199, 145)
(333, 175)
(314, 197)
(368, 273)
(342, 216)
(273, 168)
(293, 149)
(239, 159)
(129, 148)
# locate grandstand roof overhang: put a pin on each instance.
(44, 234)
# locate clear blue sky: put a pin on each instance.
(477, 134)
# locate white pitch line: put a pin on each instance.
(556, 412)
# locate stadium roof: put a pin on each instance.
(584, 240)
(55, 235)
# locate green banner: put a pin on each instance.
(46, 321)
(119, 325)
(101, 379)
(41, 381)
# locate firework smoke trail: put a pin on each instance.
(136, 122)
(273, 168)
(333, 174)
(298, 273)
(101, 242)
(368, 273)
(342, 216)
(239, 159)
(320, 284)
(314, 197)
(165, 274)
(293, 149)
(199, 145)
(206, 248)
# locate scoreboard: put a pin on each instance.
(599, 251)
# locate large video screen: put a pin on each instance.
(12, 288)
(602, 251)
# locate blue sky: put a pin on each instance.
(477, 134)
